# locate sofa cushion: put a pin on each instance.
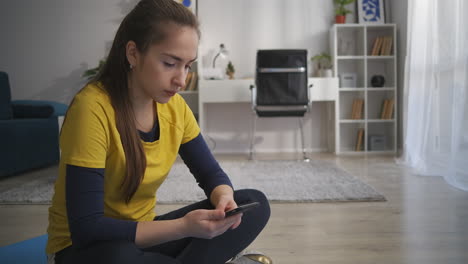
(32, 111)
(59, 108)
(5, 97)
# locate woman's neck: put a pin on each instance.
(143, 108)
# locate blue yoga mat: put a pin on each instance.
(25, 252)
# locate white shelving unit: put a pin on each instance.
(352, 46)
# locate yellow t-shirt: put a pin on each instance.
(90, 138)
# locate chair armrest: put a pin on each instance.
(58, 109)
(309, 97)
(253, 95)
(31, 111)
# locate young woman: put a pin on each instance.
(121, 135)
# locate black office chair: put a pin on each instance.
(280, 88)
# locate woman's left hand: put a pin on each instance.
(225, 203)
(222, 197)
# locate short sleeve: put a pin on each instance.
(84, 135)
(191, 128)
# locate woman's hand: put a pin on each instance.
(227, 203)
(208, 223)
(198, 223)
(222, 198)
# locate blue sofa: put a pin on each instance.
(29, 132)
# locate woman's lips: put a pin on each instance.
(170, 93)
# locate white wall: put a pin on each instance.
(46, 45)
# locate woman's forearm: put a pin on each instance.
(152, 233)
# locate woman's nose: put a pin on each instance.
(180, 78)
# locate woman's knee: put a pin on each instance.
(261, 213)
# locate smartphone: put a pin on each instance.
(242, 208)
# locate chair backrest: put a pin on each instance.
(281, 77)
(5, 97)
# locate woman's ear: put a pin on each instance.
(132, 53)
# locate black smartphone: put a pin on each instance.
(242, 208)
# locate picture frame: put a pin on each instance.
(371, 11)
(190, 4)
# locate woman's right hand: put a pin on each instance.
(207, 223)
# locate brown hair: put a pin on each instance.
(145, 25)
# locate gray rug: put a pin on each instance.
(284, 181)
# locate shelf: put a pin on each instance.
(353, 152)
(388, 152)
(381, 120)
(381, 67)
(352, 121)
(381, 26)
(188, 92)
(350, 42)
(360, 73)
(350, 57)
(381, 89)
(357, 89)
(380, 57)
(348, 25)
(351, 67)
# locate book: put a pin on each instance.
(389, 110)
(390, 45)
(376, 46)
(359, 140)
(380, 46)
(193, 82)
(357, 109)
(384, 109)
(187, 81)
(387, 46)
(361, 109)
(384, 46)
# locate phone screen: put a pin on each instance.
(242, 208)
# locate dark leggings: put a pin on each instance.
(188, 250)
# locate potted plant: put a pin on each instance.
(324, 64)
(230, 70)
(341, 11)
(91, 73)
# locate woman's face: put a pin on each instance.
(161, 72)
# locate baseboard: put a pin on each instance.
(268, 151)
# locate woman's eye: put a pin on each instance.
(188, 67)
(167, 64)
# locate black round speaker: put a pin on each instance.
(378, 81)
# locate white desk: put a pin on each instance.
(238, 91)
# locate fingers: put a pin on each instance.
(210, 223)
(211, 228)
(237, 222)
(218, 226)
(215, 214)
(221, 205)
(226, 203)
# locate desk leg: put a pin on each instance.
(332, 126)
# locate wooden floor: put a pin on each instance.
(424, 221)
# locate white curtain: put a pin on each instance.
(436, 89)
